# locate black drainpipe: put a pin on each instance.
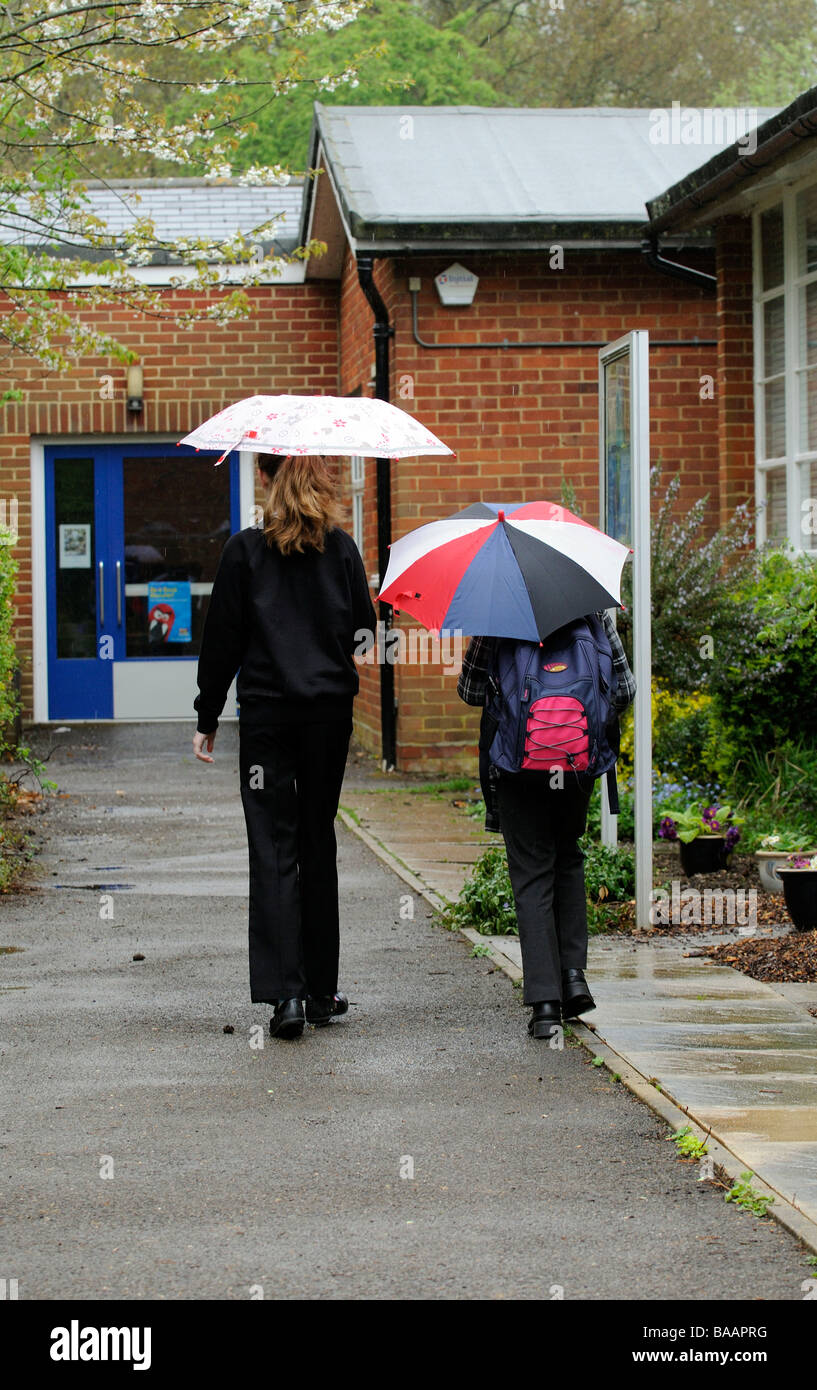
(383, 331)
(654, 258)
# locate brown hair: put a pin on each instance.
(301, 505)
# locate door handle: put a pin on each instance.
(119, 592)
(101, 594)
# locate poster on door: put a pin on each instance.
(168, 612)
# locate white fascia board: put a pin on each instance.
(290, 273)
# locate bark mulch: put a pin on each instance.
(786, 959)
(788, 956)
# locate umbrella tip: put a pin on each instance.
(501, 515)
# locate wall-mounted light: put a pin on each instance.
(135, 389)
(456, 285)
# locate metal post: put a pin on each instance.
(642, 626)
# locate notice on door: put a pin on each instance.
(168, 612)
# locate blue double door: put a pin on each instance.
(133, 538)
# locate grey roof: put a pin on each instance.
(179, 208)
(712, 182)
(443, 173)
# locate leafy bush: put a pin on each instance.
(765, 691)
(686, 733)
(697, 584)
(609, 874)
(8, 656)
(486, 900)
(778, 792)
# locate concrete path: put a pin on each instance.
(423, 1148)
(739, 1056)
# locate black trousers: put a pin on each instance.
(541, 826)
(291, 776)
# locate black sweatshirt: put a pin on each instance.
(289, 623)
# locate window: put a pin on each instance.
(786, 368)
(358, 480)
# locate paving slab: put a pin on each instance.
(737, 1054)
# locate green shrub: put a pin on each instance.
(698, 583)
(777, 792)
(486, 900)
(8, 657)
(609, 874)
(765, 691)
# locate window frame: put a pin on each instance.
(794, 459)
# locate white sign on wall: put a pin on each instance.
(456, 285)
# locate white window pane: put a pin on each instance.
(775, 403)
(808, 506)
(771, 243)
(774, 340)
(808, 410)
(775, 509)
(806, 216)
(808, 325)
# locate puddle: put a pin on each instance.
(94, 887)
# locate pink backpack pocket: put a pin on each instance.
(556, 735)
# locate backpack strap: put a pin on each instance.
(612, 791)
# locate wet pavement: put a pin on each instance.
(424, 1147)
(739, 1055)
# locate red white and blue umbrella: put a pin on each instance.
(521, 571)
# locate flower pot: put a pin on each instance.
(800, 889)
(703, 855)
(768, 863)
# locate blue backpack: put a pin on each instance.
(550, 706)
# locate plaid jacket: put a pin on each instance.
(479, 660)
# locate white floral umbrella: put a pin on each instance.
(331, 425)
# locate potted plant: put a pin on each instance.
(772, 853)
(706, 835)
(799, 875)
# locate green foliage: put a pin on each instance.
(778, 791)
(396, 57)
(687, 1145)
(481, 951)
(609, 874)
(764, 687)
(692, 822)
(701, 613)
(626, 815)
(744, 1196)
(9, 704)
(486, 900)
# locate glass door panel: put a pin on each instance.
(80, 659)
(176, 519)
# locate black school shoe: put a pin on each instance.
(576, 997)
(322, 1008)
(288, 1019)
(546, 1019)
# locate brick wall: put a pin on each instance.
(521, 420)
(289, 344)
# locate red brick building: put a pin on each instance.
(547, 209)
